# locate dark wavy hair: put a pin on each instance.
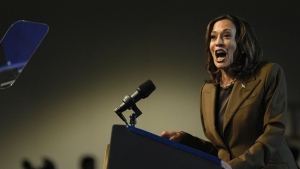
(250, 50)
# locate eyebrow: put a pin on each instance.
(224, 30)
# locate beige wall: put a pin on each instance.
(62, 105)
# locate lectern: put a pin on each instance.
(134, 148)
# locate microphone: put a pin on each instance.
(142, 92)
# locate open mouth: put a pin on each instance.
(220, 54)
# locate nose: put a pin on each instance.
(219, 41)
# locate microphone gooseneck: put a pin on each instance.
(142, 92)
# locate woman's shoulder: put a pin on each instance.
(208, 87)
(264, 69)
(269, 69)
(270, 66)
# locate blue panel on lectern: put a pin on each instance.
(133, 148)
(174, 144)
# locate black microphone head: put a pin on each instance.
(146, 88)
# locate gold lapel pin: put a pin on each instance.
(243, 86)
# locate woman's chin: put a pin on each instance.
(221, 65)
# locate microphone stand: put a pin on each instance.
(136, 114)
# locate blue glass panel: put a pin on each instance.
(16, 48)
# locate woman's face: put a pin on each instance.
(223, 46)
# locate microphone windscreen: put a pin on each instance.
(146, 88)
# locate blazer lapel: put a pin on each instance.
(241, 91)
(209, 112)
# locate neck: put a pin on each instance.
(226, 79)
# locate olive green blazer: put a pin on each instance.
(254, 122)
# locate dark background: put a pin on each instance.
(96, 52)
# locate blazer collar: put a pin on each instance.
(209, 109)
(241, 90)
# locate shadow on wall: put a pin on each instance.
(47, 164)
(86, 163)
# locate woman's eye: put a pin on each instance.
(212, 37)
(227, 35)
